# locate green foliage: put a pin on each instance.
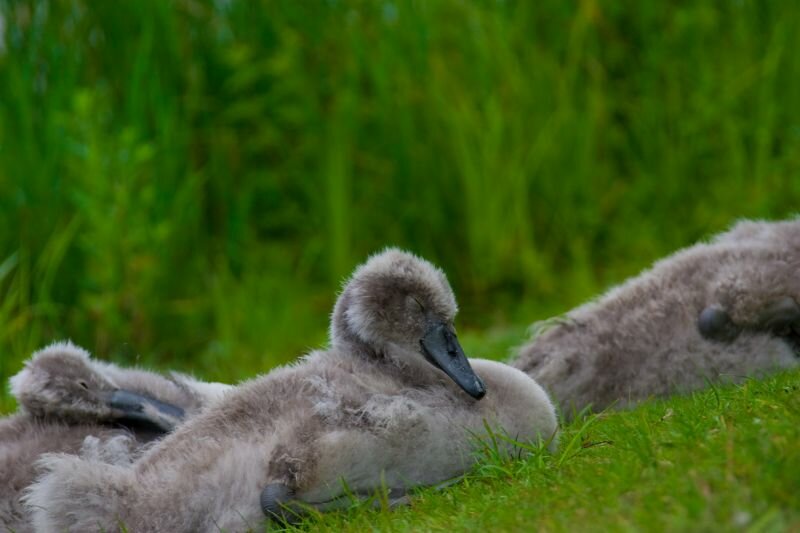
(186, 183)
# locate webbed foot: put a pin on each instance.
(780, 317)
(715, 324)
(278, 503)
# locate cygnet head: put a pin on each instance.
(399, 306)
(55, 380)
(63, 382)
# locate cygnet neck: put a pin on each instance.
(343, 339)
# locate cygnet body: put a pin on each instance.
(24, 438)
(69, 403)
(393, 402)
(724, 310)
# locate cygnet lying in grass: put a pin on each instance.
(725, 310)
(70, 404)
(393, 402)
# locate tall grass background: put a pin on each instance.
(186, 183)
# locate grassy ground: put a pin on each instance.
(724, 459)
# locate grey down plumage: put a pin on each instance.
(719, 311)
(23, 439)
(63, 382)
(69, 403)
(371, 410)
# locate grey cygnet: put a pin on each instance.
(392, 402)
(722, 310)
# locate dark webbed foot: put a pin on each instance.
(780, 317)
(715, 324)
(277, 503)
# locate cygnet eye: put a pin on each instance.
(421, 307)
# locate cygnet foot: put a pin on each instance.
(278, 503)
(780, 317)
(715, 324)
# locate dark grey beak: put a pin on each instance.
(143, 409)
(441, 348)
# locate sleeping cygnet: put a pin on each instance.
(69, 403)
(725, 310)
(63, 382)
(393, 402)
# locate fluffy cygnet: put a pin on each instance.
(392, 402)
(71, 404)
(62, 382)
(724, 310)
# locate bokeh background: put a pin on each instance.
(185, 184)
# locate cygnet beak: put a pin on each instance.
(441, 348)
(136, 407)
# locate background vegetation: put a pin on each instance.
(186, 183)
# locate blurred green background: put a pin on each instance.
(185, 184)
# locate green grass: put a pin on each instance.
(725, 459)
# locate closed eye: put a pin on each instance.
(421, 307)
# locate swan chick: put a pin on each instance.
(392, 402)
(722, 310)
(71, 404)
(62, 381)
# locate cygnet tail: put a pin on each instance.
(76, 494)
